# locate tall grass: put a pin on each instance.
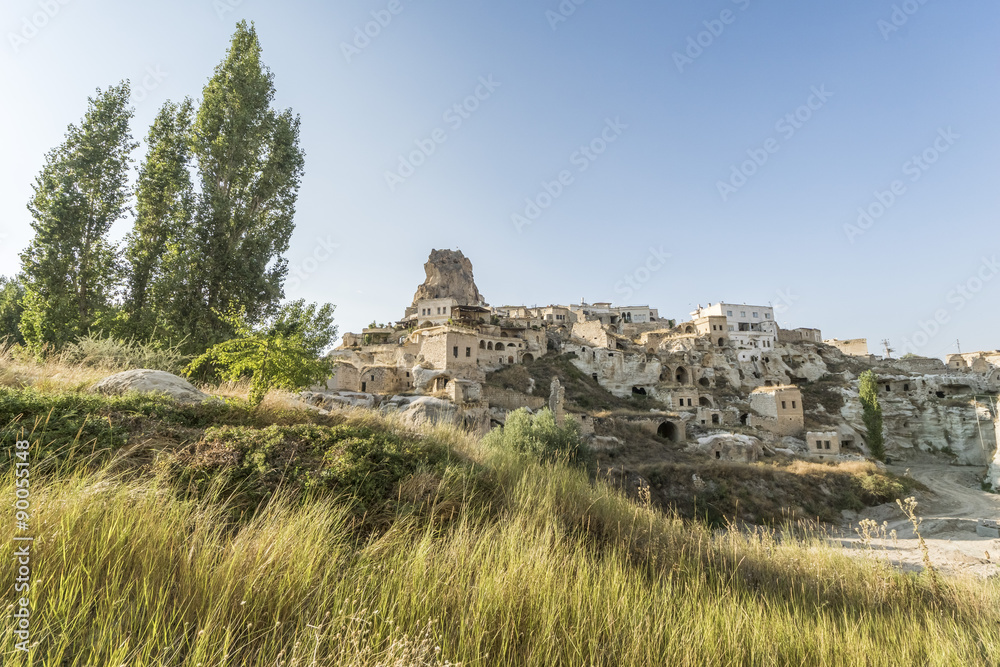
(508, 562)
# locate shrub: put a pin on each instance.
(357, 460)
(538, 435)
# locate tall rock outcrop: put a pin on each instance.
(449, 276)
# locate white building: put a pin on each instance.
(750, 327)
(434, 311)
(614, 315)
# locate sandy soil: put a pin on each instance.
(949, 511)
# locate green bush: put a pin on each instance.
(538, 435)
(355, 460)
(114, 354)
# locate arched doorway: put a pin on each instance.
(722, 342)
(682, 375)
(667, 431)
(689, 329)
(744, 418)
(527, 358)
(705, 402)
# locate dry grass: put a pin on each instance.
(18, 369)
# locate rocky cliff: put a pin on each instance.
(449, 276)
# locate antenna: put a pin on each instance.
(958, 345)
(888, 350)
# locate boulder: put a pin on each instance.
(338, 400)
(417, 410)
(150, 382)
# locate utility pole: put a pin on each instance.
(888, 350)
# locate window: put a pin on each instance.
(793, 405)
(373, 377)
(743, 313)
(783, 405)
(767, 316)
(819, 444)
(755, 314)
(826, 444)
(732, 328)
(454, 351)
(468, 351)
(729, 313)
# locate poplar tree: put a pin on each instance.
(250, 167)
(159, 250)
(872, 413)
(11, 297)
(71, 269)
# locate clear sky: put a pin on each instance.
(730, 146)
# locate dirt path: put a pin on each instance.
(949, 511)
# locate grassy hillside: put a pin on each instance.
(171, 535)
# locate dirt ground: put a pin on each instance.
(950, 511)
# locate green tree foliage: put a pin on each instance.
(283, 353)
(71, 269)
(159, 252)
(11, 296)
(538, 435)
(250, 168)
(872, 415)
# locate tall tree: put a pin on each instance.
(159, 249)
(70, 268)
(250, 168)
(11, 308)
(872, 413)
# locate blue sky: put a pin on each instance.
(806, 112)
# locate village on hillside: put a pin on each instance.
(727, 380)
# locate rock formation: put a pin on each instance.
(449, 276)
(152, 382)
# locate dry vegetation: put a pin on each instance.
(479, 555)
